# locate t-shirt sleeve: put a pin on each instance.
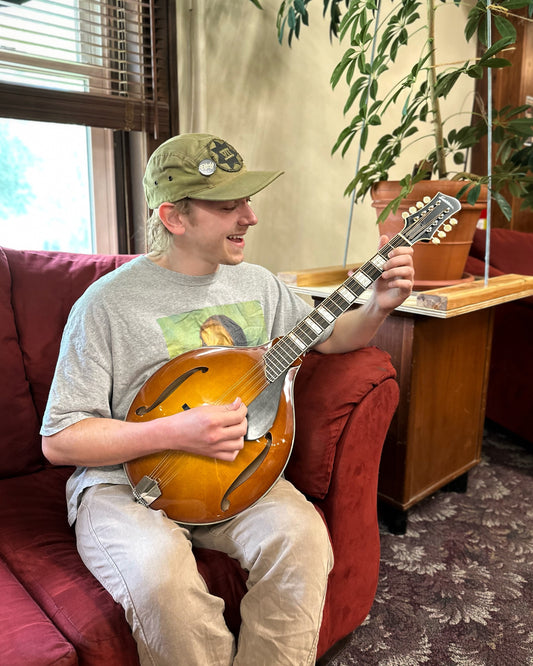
(82, 383)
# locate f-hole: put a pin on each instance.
(142, 410)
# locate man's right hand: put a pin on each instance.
(216, 431)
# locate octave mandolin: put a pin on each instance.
(194, 489)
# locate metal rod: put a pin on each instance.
(489, 150)
(358, 161)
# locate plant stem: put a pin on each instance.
(437, 120)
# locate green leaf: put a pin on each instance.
(364, 137)
(497, 62)
(504, 26)
(473, 194)
(292, 18)
(462, 190)
(503, 204)
(496, 48)
(475, 72)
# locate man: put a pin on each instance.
(191, 287)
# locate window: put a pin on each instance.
(84, 84)
(45, 188)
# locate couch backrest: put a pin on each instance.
(37, 291)
(510, 251)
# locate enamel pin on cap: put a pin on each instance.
(207, 167)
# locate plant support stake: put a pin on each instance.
(358, 161)
(489, 150)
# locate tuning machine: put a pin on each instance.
(445, 229)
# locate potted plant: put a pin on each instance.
(380, 33)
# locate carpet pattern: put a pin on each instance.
(457, 588)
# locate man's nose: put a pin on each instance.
(247, 216)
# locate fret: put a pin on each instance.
(287, 352)
(317, 318)
(348, 295)
(273, 356)
(354, 286)
(363, 279)
(307, 334)
(326, 314)
(339, 301)
(372, 272)
(334, 308)
(378, 261)
(296, 340)
(313, 325)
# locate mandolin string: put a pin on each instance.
(169, 468)
(253, 382)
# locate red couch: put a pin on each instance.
(509, 394)
(53, 611)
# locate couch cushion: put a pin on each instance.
(322, 414)
(35, 538)
(39, 548)
(28, 636)
(45, 286)
(20, 424)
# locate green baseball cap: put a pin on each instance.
(200, 166)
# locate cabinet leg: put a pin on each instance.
(458, 485)
(394, 519)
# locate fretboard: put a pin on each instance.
(279, 358)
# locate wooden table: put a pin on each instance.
(439, 342)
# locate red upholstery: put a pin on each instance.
(61, 614)
(509, 395)
(28, 636)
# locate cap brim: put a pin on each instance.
(241, 186)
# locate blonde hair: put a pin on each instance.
(158, 237)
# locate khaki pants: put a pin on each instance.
(145, 561)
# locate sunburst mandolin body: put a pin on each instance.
(198, 489)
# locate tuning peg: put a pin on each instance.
(441, 234)
(453, 221)
(405, 215)
(436, 241)
(447, 227)
(426, 199)
(412, 209)
(419, 205)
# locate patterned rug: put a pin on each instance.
(457, 588)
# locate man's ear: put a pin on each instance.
(171, 218)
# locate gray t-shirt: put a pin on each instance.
(133, 320)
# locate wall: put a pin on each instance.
(276, 106)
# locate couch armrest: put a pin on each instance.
(344, 406)
(328, 388)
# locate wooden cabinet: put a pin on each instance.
(436, 434)
(440, 344)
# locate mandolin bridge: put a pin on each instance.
(146, 491)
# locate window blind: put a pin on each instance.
(102, 63)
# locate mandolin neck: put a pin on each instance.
(304, 335)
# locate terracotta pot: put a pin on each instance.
(435, 265)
